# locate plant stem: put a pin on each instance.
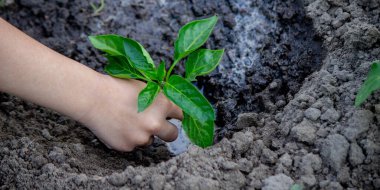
(170, 69)
(97, 9)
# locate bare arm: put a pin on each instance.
(105, 105)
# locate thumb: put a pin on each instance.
(175, 112)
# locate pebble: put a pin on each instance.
(278, 182)
(356, 155)
(304, 132)
(334, 150)
(358, 124)
(312, 113)
(157, 182)
(117, 179)
(268, 156)
(80, 179)
(247, 120)
(241, 142)
(46, 134)
(309, 179)
(286, 160)
(330, 115)
(310, 163)
(228, 165)
(57, 154)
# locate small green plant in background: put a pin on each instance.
(128, 59)
(371, 84)
(96, 10)
(296, 187)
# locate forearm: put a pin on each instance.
(34, 72)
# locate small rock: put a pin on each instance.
(309, 180)
(268, 156)
(286, 160)
(80, 179)
(358, 124)
(194, 182)
(157, 182)
(117, 179)
(304, 132)
(233, 180)
(57, 154)
(310, 163)
(78, 147)
(337, 2)
(137, 179)
(228, 165)
(278, 182)
(245, 165)
(356, 155)
(377, 108)
(370, 147)
(334, 186)
(259, 172)
(312, 113)
(241, 142)
(330, 115)
(334, 150)
(38, 161)
(344, 175)
(46, 134)
(247, 120)
(376, 183)
(322, 132)
(48, 168)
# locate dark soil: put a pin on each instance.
(298, 130)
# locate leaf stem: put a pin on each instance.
(171, 69)
(97, 10)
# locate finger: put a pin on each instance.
(168, 132)
(150, 141)
(175, 112)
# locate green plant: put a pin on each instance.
(96, 10)
(371, 84)
(296, 187)
(129, 60)
(2, 3)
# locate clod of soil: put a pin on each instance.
(300, 126)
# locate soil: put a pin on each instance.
(284, 96)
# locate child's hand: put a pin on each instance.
(115, 121)
(108, 106)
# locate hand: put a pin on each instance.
(106, 105)
(115, 121)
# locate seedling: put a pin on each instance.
(96, 10)
(371, 84)
(128, 59)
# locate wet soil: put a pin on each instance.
(300, 125)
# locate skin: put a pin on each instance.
(106, 105)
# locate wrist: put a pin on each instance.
(94, 96)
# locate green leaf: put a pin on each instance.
(201, 134)
(111, 44)
(161, 72)
(202, 62)
(135, 52)
(188, 98)
(147, 95)
(371, 84)
(192, 36)
(296, 187)
(118, 66)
